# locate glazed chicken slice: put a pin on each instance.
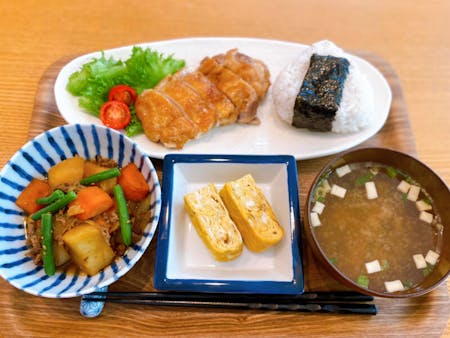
(249, 69)
(200, 111)
(164, 121)
(224, 89)
(242, 94)
(209, 92)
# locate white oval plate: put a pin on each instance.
(272, 136)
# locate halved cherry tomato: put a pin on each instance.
(115, 114)
(123, 93)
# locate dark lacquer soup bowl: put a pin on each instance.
(378, 220)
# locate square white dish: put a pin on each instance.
(183, 263)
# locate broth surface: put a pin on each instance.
(355, 230)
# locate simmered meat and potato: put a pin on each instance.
(94, 210)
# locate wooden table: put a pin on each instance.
(412, 38)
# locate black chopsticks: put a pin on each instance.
(344, 302)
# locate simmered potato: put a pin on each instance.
(60, 254)
(91, 168)
(88, 248)
(67, 171)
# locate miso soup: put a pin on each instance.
(377, 226)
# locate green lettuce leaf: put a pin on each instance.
(93, 82)
(135, 126)
(144, 69)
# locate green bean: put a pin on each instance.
(55, 206)
(101, 176)
(55, 195)
(124, 218)
(47, 244)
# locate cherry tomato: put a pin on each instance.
(115, 114)
(123, 93)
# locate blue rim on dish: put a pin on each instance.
(161, 279)
(33, 160)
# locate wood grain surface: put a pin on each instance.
(395, 316)
(36, 37)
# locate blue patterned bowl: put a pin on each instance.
(34, 160)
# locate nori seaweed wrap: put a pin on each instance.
(321, 92)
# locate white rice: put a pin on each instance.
(356, 107)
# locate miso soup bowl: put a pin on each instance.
(421, 173)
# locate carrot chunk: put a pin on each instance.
(27, 199)
(91, 201)
(133, 183)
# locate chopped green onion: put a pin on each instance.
(406, 177)
(363, 281)
(374, 170)
(325, 175)
(409, 179)
(384, 264)
(101, 176)
(332, 260)
(360, 181)
(55, 206)
(408, 284)
(47, 244)
(392, 172)
(427, 270)
(321, 199)
(124, 218)
(427, 200)
(404, 197)
(319, 194)
(323, 188)
(54, 196)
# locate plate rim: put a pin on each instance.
(381, 82)
(164, 283)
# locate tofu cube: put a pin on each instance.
(420, 262)
(318, 207)
(403, 186)
(423, 206)
(315, 220)
(338, 191)
(426, 217)
(432, 257)
(413, 193)
(394, 286)
(344, 170)
(371, 190)
(373, 266)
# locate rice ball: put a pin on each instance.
(356, 107)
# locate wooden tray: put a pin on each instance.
(427, 315)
